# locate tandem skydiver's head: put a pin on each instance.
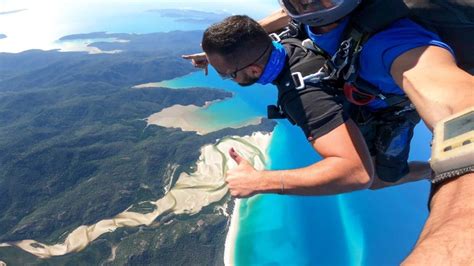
(238, 48)
(318, 13)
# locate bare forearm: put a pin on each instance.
(275, 21)
(329, 176)
(438, 88)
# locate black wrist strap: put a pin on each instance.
(438, 178)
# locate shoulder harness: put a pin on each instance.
(342, 68)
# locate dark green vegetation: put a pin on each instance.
(74, 149)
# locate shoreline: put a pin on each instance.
(231, 238)
(162, 84)
(233, 232)
(188, 118)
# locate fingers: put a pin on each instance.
(194, 56)
(235, 189)
(197, 57)
(235, 156)
(235, 194)
(198, 60)
(201, 63)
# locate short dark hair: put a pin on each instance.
(236, 38)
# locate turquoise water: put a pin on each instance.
(360, 228)
(246, 103)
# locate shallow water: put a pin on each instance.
(359, 228)
(330, 230)
(245, 106)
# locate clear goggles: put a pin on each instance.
(297, 8)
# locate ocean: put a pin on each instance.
(360, 228)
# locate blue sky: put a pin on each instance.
(37, 24)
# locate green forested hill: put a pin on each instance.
(74, 149)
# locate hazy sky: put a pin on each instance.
(37, 23)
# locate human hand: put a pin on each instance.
(198, 60)
(242, 180)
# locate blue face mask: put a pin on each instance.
(331, 40)
(274, 65)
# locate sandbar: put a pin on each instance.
(188, 118)
(192, 192)
(229, 252)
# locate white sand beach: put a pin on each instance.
(191, 193)
(179, 116)
(229, 252)
(187, 118)
(150, 85)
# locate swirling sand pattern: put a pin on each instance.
(190, 194)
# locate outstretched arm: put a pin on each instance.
(438, 88)
(346, 167)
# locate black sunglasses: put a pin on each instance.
(233, 75)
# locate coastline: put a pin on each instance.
(162, 84)
(179, 116)
(229, 251)
(233, 232)
(190, 118)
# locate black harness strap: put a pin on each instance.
(301, 60)
(342, 69)
(369, 18)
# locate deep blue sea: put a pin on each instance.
(360, 228)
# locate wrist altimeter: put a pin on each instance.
(452, 152)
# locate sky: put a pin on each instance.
(35, 24)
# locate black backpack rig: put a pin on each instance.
(298, 77)
(452, 20)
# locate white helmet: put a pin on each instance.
(318, 12)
